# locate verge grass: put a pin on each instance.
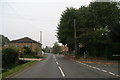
(16, 69)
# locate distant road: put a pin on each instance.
(57, 66)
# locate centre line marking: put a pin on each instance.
(104, 70)
(61, 71)
(94, 67)
(98, 68)
(89, 66)
(111, 73)
(117, 75)
(57, 63)
(54, 57)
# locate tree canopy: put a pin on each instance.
(3, 40)
(96, 24)
(56, 48)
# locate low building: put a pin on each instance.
(27, 42)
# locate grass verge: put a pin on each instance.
(17, 69)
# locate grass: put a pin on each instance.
(16, 69)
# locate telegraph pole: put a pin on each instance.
(75, 45)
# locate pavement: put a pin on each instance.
(58, 66)
(30, 59)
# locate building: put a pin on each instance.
(27, 42)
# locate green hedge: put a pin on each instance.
(9, 57)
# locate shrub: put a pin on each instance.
(27, 56)
(28, 53)
(9, 57)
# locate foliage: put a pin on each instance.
(97, 27)
(56, 48)
(28, 53)
(9, 57)
(106, 13)
(66, 29)
(115, 32)
(17, 68)
(4, 39)
(47, 49)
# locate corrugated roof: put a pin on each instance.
(24, 40)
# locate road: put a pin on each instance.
(57, 66)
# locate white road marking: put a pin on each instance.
(98, 68)
(86, 64)
(61, 71)
(59, 66)
(54, 57)
(57, 63)
(104, 70)
(94, 67)
(117, 75)
(89, 66)
(83, 63)
(111, 73)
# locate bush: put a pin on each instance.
(9, 57)
(27, 56)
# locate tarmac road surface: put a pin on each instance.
(57, 66)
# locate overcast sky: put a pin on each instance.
(26, 18)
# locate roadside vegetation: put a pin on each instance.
(16, 68)
(10, 57)
(4, 40)
(97, 30)
(11, 63)
(28, 53)
(56, 49)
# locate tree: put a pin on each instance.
(28, 51)
(106, 13)
(56, 48)
(65, 31)
(47, 49)
(94, 25)
(4, 40)
(115, 32)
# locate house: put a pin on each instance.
(27, 42)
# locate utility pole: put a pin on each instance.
(75, 45)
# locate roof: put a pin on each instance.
(24, 40)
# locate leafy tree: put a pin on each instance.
(56, 48)
(95, 25)
(47, 49)
(27, 50)
(65, 32)
(106, 13)
(115, 32)
(4, 40)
